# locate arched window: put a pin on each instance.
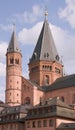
(46, 80)
(16, 61)
(73, 99)
(27, 100)
(11, 61)
(62, 99)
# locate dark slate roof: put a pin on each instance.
(57, 109)
(15, 109)
(66, 126)
(60, 83)
(13, 44)
(52, 102)
(45, 48)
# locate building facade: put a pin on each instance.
(45, 100)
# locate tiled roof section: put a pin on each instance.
(60, 83)
(53, 102)
(15, 109)
(18, 113)
(32, 83)
(53, 108)
(66, 126)
(45, 48)
(3, 105)
(13, 44)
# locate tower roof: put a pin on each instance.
(13, 44)
(45, 48)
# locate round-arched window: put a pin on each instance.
(27, 100)
(62, 99)
(46, 80)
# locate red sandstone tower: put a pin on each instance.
(45, 66)
(13, 72)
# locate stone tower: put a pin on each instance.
(45, 66)
(13, 72)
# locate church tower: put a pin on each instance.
(45, 66)
(13, 72)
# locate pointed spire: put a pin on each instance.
(13, 44)
(45, 48)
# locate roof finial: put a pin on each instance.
(46, 13)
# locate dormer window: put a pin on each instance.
(57, 57)
(46, 55)
(35, 55)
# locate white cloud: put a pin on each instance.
(68, 13)
(2, 69)
(29, 36)
(3, 48)
(65, 42)
(2, 93)
(28, 17)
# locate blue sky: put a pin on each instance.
(28, 17)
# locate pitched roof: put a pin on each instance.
(45, 48)
(15, 109)
(53, 102)
(13, 44)
(66, 126)
(57, 109)
(63, 82)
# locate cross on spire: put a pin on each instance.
(46, 13)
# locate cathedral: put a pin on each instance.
(45, 101)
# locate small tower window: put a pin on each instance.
(17, 94)
(17, 82)
(27, 100)
(10, 80)
(11, 61)
(16, 61)
(46, 80)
